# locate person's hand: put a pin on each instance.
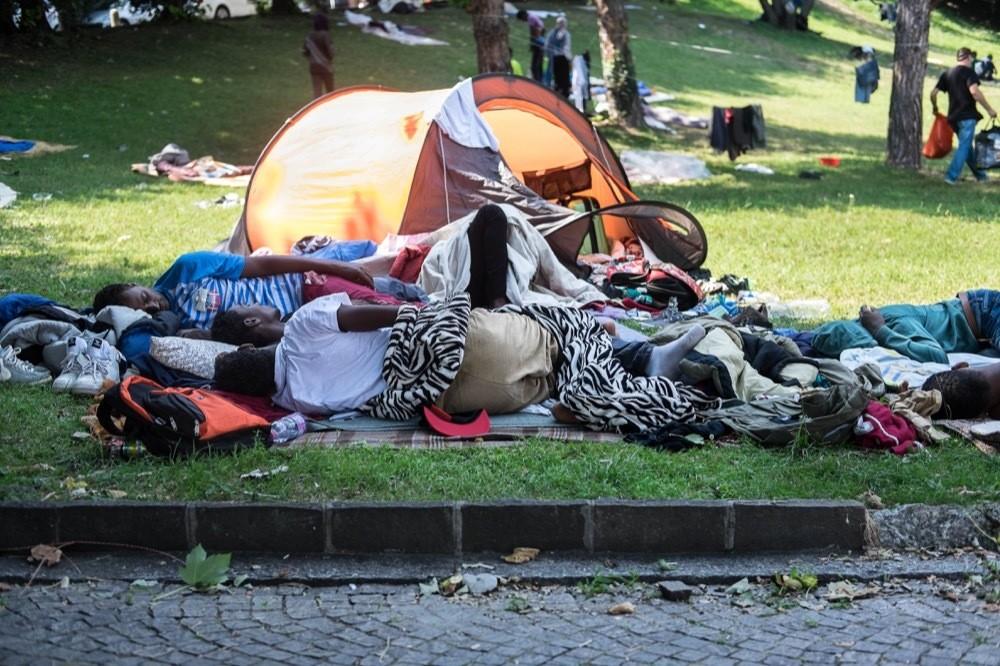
(993, 114)
(312, 277)
(871, 319)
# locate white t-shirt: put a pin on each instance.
(319, 369)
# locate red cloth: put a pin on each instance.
(887, 430)
(356, 292)
(407, 264)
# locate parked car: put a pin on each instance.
(223, 9)
(100, 13)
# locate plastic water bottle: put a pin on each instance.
(672, 313)
(288, 428)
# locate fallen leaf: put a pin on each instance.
(664, 565)
(871, 500)
(80, 435)
(479, 565)
(71, 484)
(518, 605)
(521, 555)
(624, 608)
(64, 583)
(143, 583)
(260, 474)
(739, 587)
(117, 494)
(427, 589)
(843, 590)
(5, 587)
(450, 585)
(47, 555)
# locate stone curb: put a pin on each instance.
(443, 528)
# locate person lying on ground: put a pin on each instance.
(262, 326)
(968, 323)
(330, 355)
(201, 284)
(967, 393)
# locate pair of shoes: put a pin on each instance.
(949, 181)
(19, 371)
(88, 366)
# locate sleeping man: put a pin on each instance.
(390, 361)
(968, 323)
(201, 284)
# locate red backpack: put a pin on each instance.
(177, 422)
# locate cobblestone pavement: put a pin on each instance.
(112, 623)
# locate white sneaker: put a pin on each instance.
(19, 371)
(71, 368)
(72, 364)
(98, 364)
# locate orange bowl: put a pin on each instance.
(830, 160)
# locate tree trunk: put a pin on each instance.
(909, 69)
(624, 103)
(489, 27)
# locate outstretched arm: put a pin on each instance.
(981, 98)
(275, 264)
(362, 318)
(934, 94)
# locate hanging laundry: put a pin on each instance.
(736, 130)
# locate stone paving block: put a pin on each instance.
(662, 527)
(500, 527)
(26, 524)
(798, 525)
(406, 528)
(283, 528)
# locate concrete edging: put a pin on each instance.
(444, 528)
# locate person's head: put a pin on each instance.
(248, 370)
(964, 55)
(130, 295)
(522, 15)
(965, 393)
(258, 325)
(321, 22)
(560, 22)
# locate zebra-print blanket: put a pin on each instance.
(425, 350)
(597, 389)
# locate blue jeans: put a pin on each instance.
(966, 131)
(985, 306)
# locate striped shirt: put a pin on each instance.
(201, 284)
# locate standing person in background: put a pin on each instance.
(320, 54)
(560, 50)
(866, 76)
(962, 86)
(536, 38)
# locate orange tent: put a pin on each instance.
(363, 163)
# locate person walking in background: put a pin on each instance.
(536, 38)
(866, 76)
(560, 50)
(320, 54)
(961, 85)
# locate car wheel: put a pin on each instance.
(222, 12)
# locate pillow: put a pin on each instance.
(189, 355)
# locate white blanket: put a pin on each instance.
(896, 368)
(534, 274)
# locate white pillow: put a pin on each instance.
(189, 354)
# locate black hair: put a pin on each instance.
(320, 22)
(111, 295)
(522, 15)
(964, 394)
(247, 370)
(228, 327)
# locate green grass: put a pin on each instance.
(225, 88)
